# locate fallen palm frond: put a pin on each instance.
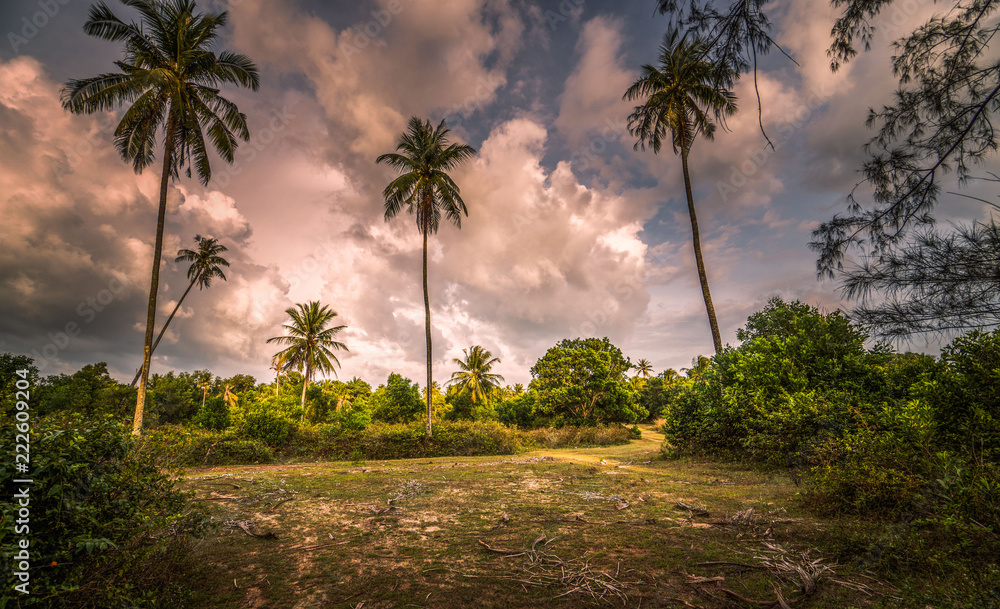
(795, 568)
(548, 570)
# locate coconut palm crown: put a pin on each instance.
(474, 375)
(310, 342)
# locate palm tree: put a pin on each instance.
(423, 156)
(678, 97)
(279, 365)
(310, 343)
(643, 368)
(169, 80)
(475, 376)
(230, 398)
(205, 266)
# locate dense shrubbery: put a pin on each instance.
(879, 432)
(99, 516)
(181, 446)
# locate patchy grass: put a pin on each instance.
(553, 528)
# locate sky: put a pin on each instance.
(570, 232)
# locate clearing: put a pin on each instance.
(608, 526)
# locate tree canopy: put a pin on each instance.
(585, 381)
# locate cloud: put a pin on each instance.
(592, 94)
(77, 233)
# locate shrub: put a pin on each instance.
(213, 415)
(99, 514)
(175, 446)
(571, 436)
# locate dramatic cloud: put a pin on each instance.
(570, 231)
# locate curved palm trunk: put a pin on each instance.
(427, 323)
(147, 349)
(696, 239)
(164, 328)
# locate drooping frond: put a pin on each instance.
(168, 78)
(423, 157)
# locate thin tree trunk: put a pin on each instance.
(164, 328)
(696, 240)
(305, 385)
(427, 323)
(147, 349)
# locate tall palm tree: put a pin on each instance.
(424, 156)
(205, 266)
(475, 376)
(310, 341)
(643, 368)
(681, 97)
(169, 80)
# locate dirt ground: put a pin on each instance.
(555, 528)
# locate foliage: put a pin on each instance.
(793, 380)
(520, 411)
(656, 395)
(10, 364)
(574, 436)
(213, 415)
(99, 515)
(937, 282)
(177, 446)
(398, 401)
(176, 397)
(90, 391)
(583, 381)
(269, 420)
(966, 398)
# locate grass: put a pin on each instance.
(561, 528)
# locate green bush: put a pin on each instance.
(176, 446)
(213, 415)
(573, 436)
(99, 515)
(793, 383)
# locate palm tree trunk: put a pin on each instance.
(305, 385)
(427, 324)
(147, 349)
(164, 328)
(696, 240)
